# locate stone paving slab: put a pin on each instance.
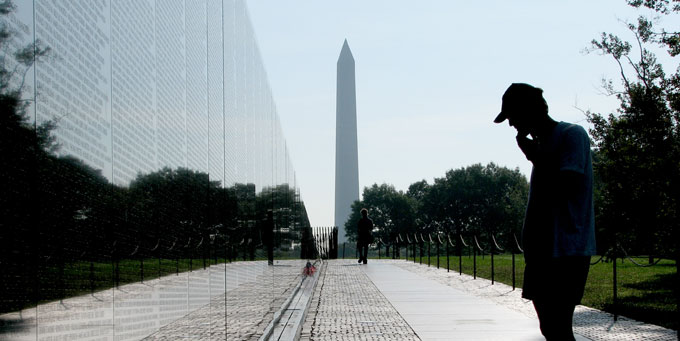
(440, 312)
(347, 306)
(354, 302)
(350, 302)
(590, 323)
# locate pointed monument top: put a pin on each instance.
(345, 53)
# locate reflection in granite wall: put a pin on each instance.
(196, 84)
(74, 85)
(147, 159)
(133, 88)
(138, 85)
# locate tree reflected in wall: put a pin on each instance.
(57, 211)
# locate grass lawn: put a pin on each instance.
(644, 293)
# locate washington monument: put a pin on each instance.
(346, 155)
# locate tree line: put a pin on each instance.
(477, 200)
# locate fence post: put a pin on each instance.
(414, 252)
(492, 269)
(513, 271)
(91, 277)
(113, 271)
(437, 255)
(474, 261)
(448, 268)
(615, 289)
(62, 281)
(335, 243)
(158, 253)
(460, 260)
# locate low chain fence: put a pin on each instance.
(435, 248)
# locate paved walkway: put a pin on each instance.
(384, 300)
(347, 306)
(400, 300)
(190, 305)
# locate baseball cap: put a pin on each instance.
(518, 94)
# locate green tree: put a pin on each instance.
(479, 200)
(638, 147)
(392, 212)
(418, 192)
(475, 200)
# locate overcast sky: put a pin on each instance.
(430, 76)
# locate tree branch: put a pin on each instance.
(623, 74)
(643, 64)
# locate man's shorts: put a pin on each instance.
(556, 278)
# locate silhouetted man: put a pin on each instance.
(558, 233)
(364, 235)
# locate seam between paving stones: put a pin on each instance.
(317, 295)
(309, 323)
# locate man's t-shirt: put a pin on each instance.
(556, 225)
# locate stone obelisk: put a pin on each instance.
(346, 153)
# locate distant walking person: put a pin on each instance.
(559, 229)
(364, 235)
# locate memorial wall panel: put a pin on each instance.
(258, 111)
(247, 125)
(20, 21)
(240, 90)
(170, 84)
(168, 155)
(133, 89)
(136, 85)
(230, 109)
(73, 83)
(216, 81)
(196, 85)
